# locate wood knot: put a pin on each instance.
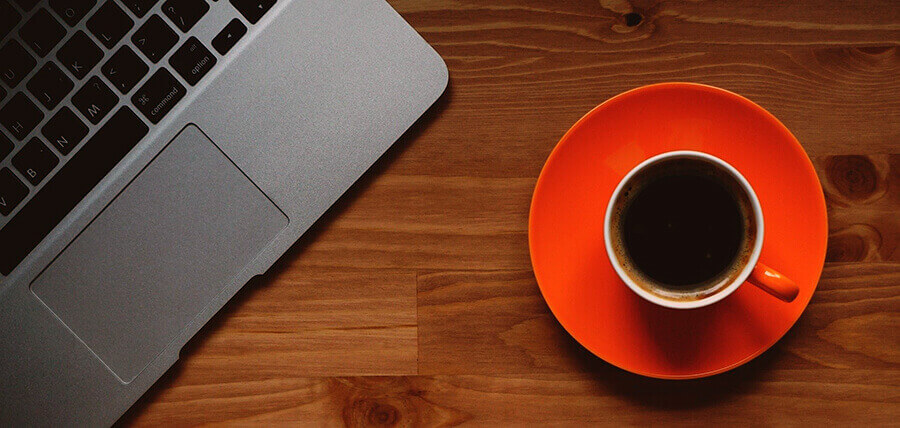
(846, 248)
(629, 23)
(853, 177)
(877, 61)
(633, 19)
(876, 50)
(382, 414)
(371, 413)
(856, 243)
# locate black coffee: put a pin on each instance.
(682, 225)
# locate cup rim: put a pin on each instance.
(739, 279)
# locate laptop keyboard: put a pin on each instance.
(81, 88)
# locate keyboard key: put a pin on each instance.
(9, 18)
(26, 5)
(35, 161)
(12, 191)
(20, 116)
(109, 24)
(64, 130)
(125, 69)
(17, 63)
(192, 61)
(95, 100)
(42, 32)
(50, 85)
(140, 7)
(80, 54)
(185, 13)
(253, 10)
(158, 95)
(154, 38)
(65, 189)
(6, 146)
(72, 11)
(2, 93)
(229, 36)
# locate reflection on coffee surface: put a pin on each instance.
(683, 228)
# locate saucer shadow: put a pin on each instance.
(691, 394)
(256, 284)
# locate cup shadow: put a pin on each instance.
(255, 285)
(690, 394)
(675, 329)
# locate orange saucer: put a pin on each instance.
(566, 230)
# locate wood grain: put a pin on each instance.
(412, 301)
(481, 223)
(863, 197)
(604, 396)
(515, 111)
(501, 324)
(312, 315)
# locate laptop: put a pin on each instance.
(157, 154)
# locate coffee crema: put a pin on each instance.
(683, 228)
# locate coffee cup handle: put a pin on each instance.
(774, 283)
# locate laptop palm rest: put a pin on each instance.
(161, 250)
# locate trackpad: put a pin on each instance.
(153, 259)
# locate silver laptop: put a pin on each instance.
(157, 154)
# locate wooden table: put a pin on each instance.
(413, 302)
